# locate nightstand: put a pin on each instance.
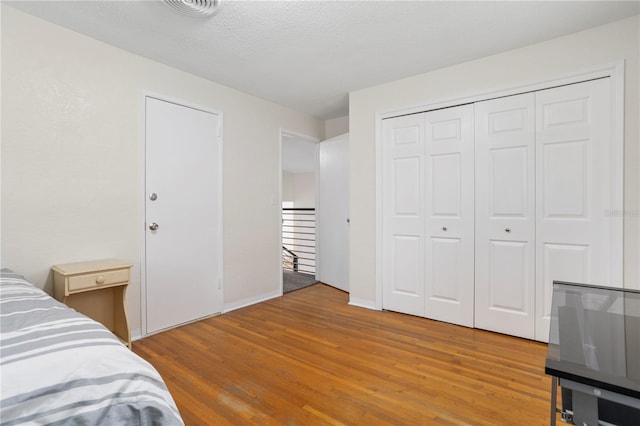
(96, 289)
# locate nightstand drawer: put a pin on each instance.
(104, 278)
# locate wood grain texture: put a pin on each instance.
(310, 358)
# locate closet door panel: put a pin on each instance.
(508, 182)
(505, 215)
(449, 207)
(444, 273)
(508, 280)
(406, 184)
(573, 173)
(560, 262)
(403, 214)
(445, 183)
(406, 265)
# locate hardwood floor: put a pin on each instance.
(310, 358)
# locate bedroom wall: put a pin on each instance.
(71, 160)
(336, 126)
(536, 63)
(288, 188)
(305, 190)
(299, 190)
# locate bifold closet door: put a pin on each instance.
(505, 215)
(449, 215)
(428, 214)
(543, 181)
(573, 185)
(539, 178)
(403, 214)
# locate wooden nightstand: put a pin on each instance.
(96, 289)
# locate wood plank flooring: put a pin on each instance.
(309, 358)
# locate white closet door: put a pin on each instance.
(403, 214)
(505, 215)
(449, 211)
(573, 175)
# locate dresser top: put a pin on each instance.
(90, 266)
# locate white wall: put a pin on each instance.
(298, 154)
(71, 115)
(304, 185)
(299, 190)
(336, 126)
(288, 189)
(536, 63)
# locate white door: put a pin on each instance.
(505, 215)
(573, 181)
(333, 212)
(449, 214)
(182, 253)
(403, 214)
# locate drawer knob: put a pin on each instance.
(100, 279)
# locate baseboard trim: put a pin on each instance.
(136, 333)
(363, 303)
(228, 307)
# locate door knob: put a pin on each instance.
(444, 228)
(154, 226)
(153, 196)
(507, 230)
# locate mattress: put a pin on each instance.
(58, 366)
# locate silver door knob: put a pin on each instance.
(153, 196)
(154, 226)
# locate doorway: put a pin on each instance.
(182, 267)
(299, 200)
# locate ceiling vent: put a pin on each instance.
(203, 8)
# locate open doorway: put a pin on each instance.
(299, 201)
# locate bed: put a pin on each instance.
(57, 366)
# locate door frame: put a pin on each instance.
(142, 199)
(282, 134)
(615, 71)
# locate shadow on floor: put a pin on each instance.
(296, 280)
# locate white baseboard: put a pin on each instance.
(136, 333)
(228, 307)
(363, 303)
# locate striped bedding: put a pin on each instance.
(60, 367)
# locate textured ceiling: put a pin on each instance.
(308, 55)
